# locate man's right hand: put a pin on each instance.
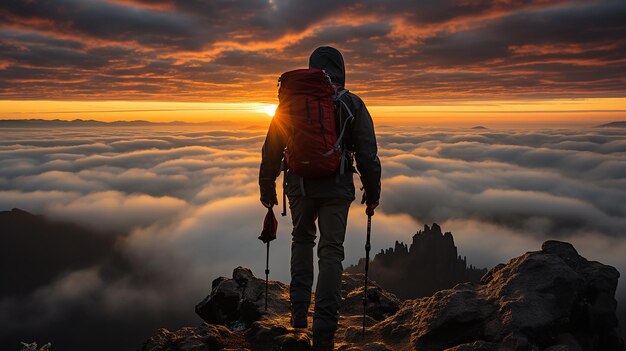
(370, 206)
(268, 193)
(369, 209)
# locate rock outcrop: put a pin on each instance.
(550, 300)
(431, 263)
(236, 319)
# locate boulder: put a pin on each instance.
(380, 303)
(240, 301)
(475, 346)
(548, 298)
(207, 337)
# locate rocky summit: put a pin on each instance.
(547, 300)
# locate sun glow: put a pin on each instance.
(269, 109)
(560, 112)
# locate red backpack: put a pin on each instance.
(308, 103)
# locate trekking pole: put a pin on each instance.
(367, 266)
(282, 165)
(267, 272)
(270, 226)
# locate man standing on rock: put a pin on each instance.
(324, 196)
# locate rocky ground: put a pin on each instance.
(552, 300)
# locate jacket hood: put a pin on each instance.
(330, 60)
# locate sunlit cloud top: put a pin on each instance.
(397, 52)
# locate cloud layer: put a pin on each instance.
(184, 206)
(402, 51)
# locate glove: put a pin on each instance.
(369, 210)
(268, 193)
(370, 205)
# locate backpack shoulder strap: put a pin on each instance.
(340, 94)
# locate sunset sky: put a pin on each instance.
(163, 60)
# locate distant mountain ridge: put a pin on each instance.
(616, 124)
(431, 263)
(46, 123)
(35, 250)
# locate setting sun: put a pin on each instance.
(269, 109)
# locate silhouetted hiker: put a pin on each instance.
(319, 179)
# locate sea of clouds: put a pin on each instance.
(184, 204)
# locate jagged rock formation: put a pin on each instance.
(549, 300)
(430, 264)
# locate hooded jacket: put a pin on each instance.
(360, 141)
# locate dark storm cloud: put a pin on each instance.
(596, 23)
(395, 50)
(567, 24)
(51, 56)
(428, 12)
(14, 37)
(103, 20)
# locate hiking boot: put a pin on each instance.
(298, 318)
(323, 342)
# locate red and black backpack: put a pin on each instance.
(310, 109)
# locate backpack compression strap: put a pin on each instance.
(343, 126)
(337, 145)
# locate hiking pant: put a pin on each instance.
(331, 215)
